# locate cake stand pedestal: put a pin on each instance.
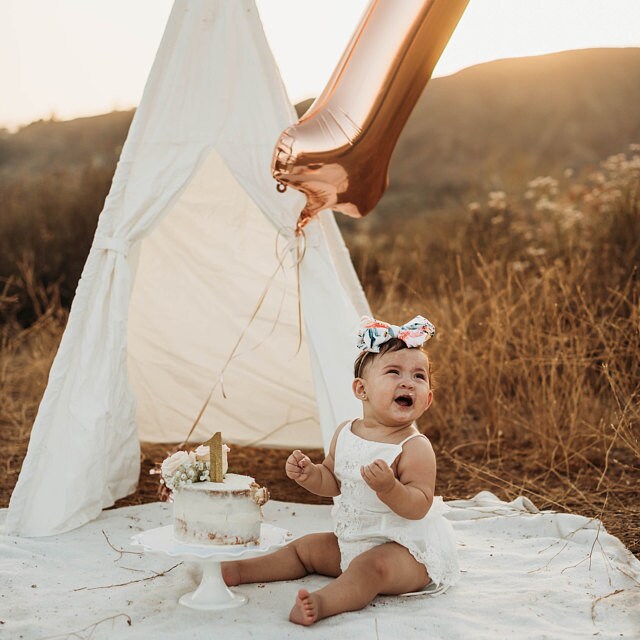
(212, 593)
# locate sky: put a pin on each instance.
(71, 58)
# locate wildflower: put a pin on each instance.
(569, 217)
(543, 183)
(544, 204)
(519, 265)
(519, 226)
(497, 200)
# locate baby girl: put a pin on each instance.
(389, 534)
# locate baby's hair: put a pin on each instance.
(367, 357)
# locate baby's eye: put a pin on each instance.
(421, 376)
(392, 371)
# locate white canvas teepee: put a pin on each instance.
(184, 249)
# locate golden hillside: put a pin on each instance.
(497, 125)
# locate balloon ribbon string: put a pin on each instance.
(300, 239)
(254, 314)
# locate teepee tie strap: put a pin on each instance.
(118, 245)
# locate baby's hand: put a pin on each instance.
(379, 476)
(298, 466)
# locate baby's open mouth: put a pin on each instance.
(404, 401)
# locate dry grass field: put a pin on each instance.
(536, 297)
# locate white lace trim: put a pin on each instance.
(442, 568)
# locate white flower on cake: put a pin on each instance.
(171, 464)
(186, 468)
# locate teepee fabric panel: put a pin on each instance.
(201, 275)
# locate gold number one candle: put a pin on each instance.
(215, 457)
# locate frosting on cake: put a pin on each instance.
(219, 513)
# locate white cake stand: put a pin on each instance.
(212, 594)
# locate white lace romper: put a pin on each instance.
(362, 521)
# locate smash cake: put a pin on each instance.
(206, 512)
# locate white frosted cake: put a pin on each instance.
(219, 513)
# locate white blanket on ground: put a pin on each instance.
(526, 574)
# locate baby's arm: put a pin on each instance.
(411, 494)
(316, 478)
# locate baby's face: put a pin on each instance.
(397, 387)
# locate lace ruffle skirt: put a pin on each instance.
(431, 540)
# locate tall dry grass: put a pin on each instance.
(537, 301)
(47, 222)
(26, 355)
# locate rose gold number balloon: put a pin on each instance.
(338, 153)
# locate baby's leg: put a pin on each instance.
(315, 553)
(386, 569)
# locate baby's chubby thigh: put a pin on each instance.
(319, 553)
(393, 567)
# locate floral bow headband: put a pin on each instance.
(373, 333)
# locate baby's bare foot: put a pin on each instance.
(305, 610)
(230, 574)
